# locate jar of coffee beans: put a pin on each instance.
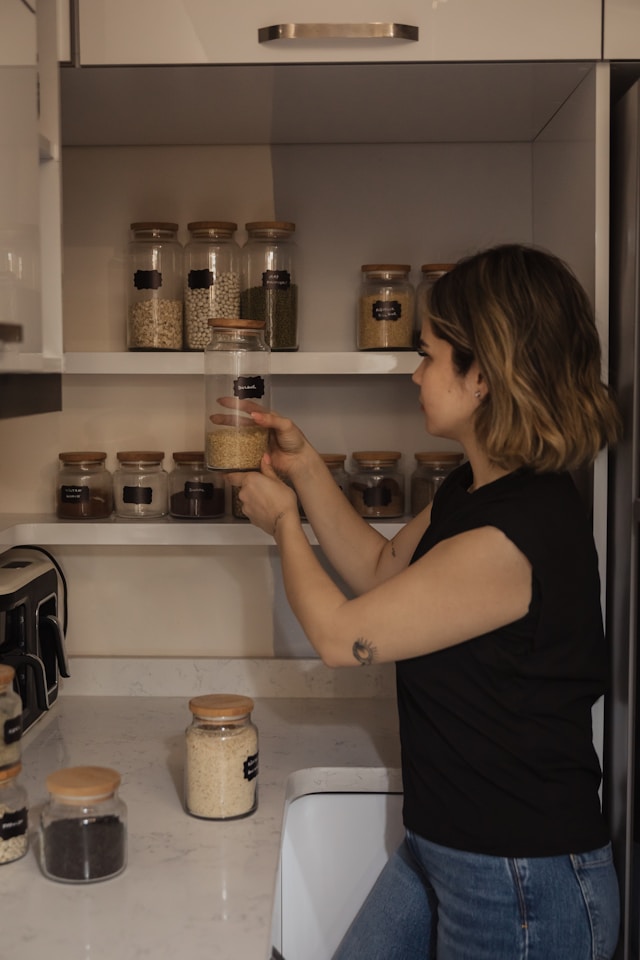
(377, 485)
(195, 493)
(140, 484)
(14, 815)
(154, 287)
(237, 381)
(431, 469)
(386, 307)
(212, 278)
(269, 281)
(84, 486)
(83, 826)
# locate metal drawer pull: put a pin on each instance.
(337, 31)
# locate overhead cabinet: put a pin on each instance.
(621, 39)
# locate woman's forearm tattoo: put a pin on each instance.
(364, 651)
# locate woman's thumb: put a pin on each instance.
(266, 467)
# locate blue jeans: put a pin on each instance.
(435, 903)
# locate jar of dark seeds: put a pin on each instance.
(140, 484)
(195, 493)
(377, 485)
(83, 826)
(84, 486)
(154, 287)
(269, 282)
(212, 278)
(10, 718)
(431, 469)
(14, 815)
(386, 307)
(237, 381)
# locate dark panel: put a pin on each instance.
(24, 394)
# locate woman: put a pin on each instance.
(488, 602)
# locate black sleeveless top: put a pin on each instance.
(496, 734)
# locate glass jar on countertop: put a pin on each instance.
(10, 718)
(83, 826)
(140, 484)
(386, 307)
(154, 287)
(212, 278)
(14, 815)
(84, 486)
(376, 488)
(221, 768)
(195, 493)
(431, 469)
(270, 281)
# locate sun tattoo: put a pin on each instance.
(364, 651)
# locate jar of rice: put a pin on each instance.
(221, 763)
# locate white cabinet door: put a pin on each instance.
(198, 31)
(621, 30)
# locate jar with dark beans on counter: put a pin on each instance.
(140, 484)
(14, 815)
(376, 487)
(431, 469)
(83, 826)
(269, 281)
(84, 486)
(195, 493)
(10, 718)
(386, 307)
(155, 287)
(212, 278)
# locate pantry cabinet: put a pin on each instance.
(621, 28)
(249, 31)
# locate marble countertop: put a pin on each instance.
(192, 888)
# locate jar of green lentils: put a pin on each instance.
(269, 281)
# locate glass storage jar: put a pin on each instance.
(195, 493)
(84, 486)
(221, 768)
(10, 718)
(430, 272)
(155, 287)
(140, 484)
(14, 815)
(386, 307)
(83, 826)
(377, 485)
(237, 379)
(212, 278)
(270, 283)
(431, 469)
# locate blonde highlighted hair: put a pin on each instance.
(523, 316)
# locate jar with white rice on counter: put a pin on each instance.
(221, 763)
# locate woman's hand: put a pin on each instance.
(289, 447)
(264, 497)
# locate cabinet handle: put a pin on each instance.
(337, 31)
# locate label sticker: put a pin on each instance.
(248, 387)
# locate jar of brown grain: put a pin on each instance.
(385, 307)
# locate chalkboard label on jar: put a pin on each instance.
(248, 387)
(13, 823)
(137, 495)
(386, 310)
(12, 730)
(75, 494)
(198, 491)
(379, 496)
(250, 767)
(147, 279)
(200, 279)
(276, 279)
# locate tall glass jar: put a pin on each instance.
(84, 486)
(14, 815)
(430, 272)
(195, 493)
(377, 485)
(431, 469)
(140, 484)
(221, 768)
(270, 283)
(237, 379)
(386, 307)
(155, 287)
(83, 826)
(10, 718)
(212, 278)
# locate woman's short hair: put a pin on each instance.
(523, 316)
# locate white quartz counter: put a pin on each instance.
(193, 889)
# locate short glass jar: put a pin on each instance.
(431, 469)
(83, 826)
(14, 815)
(140, 484)
(10, 718)
(195, 493)
(212, 278)
(386, 307)
(221, 768)
(269, 281)
(154, 287)
(84, 486)
(430, 272)
(377, 485)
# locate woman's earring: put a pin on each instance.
(477, 394)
